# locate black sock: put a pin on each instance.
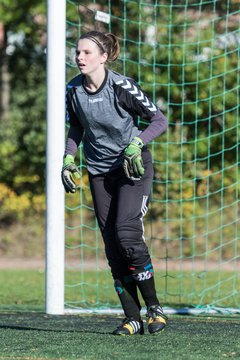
(144, 278)
(131, 287)
(127, 292)
(148, 291)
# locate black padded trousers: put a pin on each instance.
(120, 205)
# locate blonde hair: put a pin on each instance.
(107, 43)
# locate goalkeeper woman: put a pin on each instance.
(102, 110)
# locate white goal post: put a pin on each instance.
(56, 29)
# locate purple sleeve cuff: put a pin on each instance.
(74, 138)
(158, 125)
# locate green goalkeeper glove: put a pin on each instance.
(133, 164)
(70, 174)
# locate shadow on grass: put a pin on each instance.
(89, 337)
(104, 324)
(58, 323)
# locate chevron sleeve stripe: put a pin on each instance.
(138, 94)
(136, 101)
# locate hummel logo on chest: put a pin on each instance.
(92, 101)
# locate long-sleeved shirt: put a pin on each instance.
(106, 120)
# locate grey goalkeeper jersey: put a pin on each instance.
(106, 120)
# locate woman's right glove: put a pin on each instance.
(70, 174)
(133, 164)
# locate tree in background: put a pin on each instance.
(22, 106)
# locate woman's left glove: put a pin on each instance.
(70, 174)
(133, 164)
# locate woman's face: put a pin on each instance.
(88, 57)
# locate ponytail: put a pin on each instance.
(107, 43)
(115, 48)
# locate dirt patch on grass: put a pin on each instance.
(101, 264)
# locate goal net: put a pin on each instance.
(185, 55)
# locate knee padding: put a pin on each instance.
(136, 255)
(131, 243)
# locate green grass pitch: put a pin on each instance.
(26, 332)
